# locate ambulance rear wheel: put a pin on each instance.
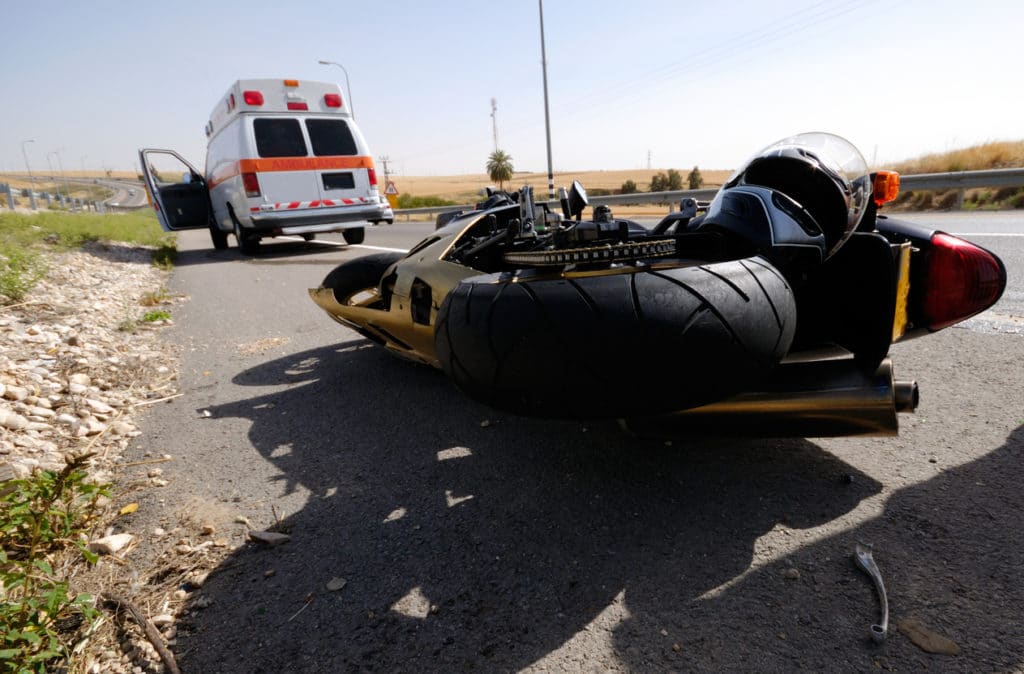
(249, 244)
(308, 237)
(354, 235)
(219, 238)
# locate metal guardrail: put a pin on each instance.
(959, 180)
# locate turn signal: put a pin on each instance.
(887, 187)
(962, 279)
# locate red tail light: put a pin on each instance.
(332, 100)
(373, 176)
(251, 184)
(961, 280)
(297, 105)
(252, 97)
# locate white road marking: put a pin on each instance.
(341, 244)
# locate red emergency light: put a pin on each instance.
(332, 100)
(297, 105)
(252, 97)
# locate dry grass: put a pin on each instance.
(1003, 154)
(467, 188)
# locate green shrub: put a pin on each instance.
(410, 201)
(628, 187)
(157, 315)
(20, 269)
(40, 517)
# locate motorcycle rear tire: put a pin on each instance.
(617, 344)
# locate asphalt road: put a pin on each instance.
(472, 540)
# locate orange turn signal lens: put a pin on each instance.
(887, 187)
(291, 83)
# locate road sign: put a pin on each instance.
(390, 189)
(392, 199)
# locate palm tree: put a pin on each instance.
(499, 167)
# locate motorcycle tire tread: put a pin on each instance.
(616, 345)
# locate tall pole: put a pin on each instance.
(32, 182)
(494, 121)
(63, 176)
(348, 87)
(547, 116)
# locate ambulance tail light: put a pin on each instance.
(252, 97)
(297, 105)
(332, 100)
(372, 173)
(251, 184)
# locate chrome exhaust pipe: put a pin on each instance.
(807, 399)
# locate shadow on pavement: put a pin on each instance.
(470, 546)
(272, 251)
(952, 558)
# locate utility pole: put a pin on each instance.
(547, 116)
(384, 159)
(31, 181)
(494, 121)
(648, 160)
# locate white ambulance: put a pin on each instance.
(282, 157)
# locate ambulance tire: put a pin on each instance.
(249, 244)
(354, 236)
(309, 237)
(219, 238)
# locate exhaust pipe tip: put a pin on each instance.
(905, 396)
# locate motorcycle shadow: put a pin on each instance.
(472, 539)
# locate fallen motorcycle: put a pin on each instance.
(768, 311)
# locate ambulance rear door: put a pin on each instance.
(286, 172)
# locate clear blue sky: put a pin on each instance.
(701, 83)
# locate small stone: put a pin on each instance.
(485, 423)
(155, 472)
(13, 421)
(269, 573)
(180, 594)
(109, 545)
(98, 406)
(336, 583)
(162, 619)
(791, 574)
(926, 639)
(159, 533)
(157, 482)
(16, 392)
(269, 537)
(208, 530)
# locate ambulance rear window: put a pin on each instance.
(279, 138)
(330, 137)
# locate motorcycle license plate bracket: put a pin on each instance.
(852, 300)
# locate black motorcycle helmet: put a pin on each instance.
(823, 173)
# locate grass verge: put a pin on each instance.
(24, 237)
